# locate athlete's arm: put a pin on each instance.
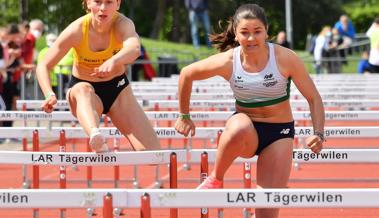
(125, 32)
(307, 88)
(55, 53)
(216, 65)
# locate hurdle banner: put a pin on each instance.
(230, 95)
(150, 104)
(163, 157)
(171, 133)
(231, 103)
(195, 115)
(189, 198)
(91, 159)
(305, 156)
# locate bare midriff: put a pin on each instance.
(277, 113)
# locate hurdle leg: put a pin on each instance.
(25, 182)
(108, 206)
(74, 167)
(35, 170)
(247, 185)
(173, 180)
(135, 177)
(90, 211)
(62, 169)
(188, 147)
(145, 211)
(116, 174)
(204, 212)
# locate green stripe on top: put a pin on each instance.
(267, 103)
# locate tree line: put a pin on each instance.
(168, 20)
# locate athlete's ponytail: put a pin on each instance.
(225, 40)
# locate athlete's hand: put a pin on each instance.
(48, 104)
(314, 142)
(104, 70)
(185, 126)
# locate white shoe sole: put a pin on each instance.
(97, 143)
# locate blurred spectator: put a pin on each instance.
(346, 29)
(281, 39)
(363, 65)
(13, 39)
(373, 35)
(319, 51)
(35, 31)
(148, 70)
(332, 52)
(2, 72)
(198, 12)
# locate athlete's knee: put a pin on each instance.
(82, 89)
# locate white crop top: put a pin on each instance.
(258, 89)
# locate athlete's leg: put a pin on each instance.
(87, 107)
(239, 139)
(128, 116)
(273, 170)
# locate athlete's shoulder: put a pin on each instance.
(123, 20)
(73, 32)
(284, 55)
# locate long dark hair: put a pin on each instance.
(226, 40)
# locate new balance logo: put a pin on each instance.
(268, 76)
(121, 83)
(285, 131)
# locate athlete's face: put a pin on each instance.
(103, 10)
(251, 34)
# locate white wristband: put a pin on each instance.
(49, 94)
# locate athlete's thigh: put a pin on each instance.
(128, 116)
(240, 129)
(78, 93)
(274, 164)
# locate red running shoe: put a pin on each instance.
(210, 182)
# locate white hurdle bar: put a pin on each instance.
(163, 157)
(190, 198)
(195, 115)
(169, 132)
(226, 88)
(151, 104)
(305, 156)
(92, 159)
(230, 95)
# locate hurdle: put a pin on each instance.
(151, 88)
(230, 95)
(146, 199)
(64, 159)
(169, 132)
(195, 115)
(219, 104)
(304, 156)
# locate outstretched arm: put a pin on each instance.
(128, 54)
(216, 65)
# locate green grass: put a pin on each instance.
(186, 53)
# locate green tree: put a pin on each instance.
(9, 11)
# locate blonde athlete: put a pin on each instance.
(104, 42)
(260, 75)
